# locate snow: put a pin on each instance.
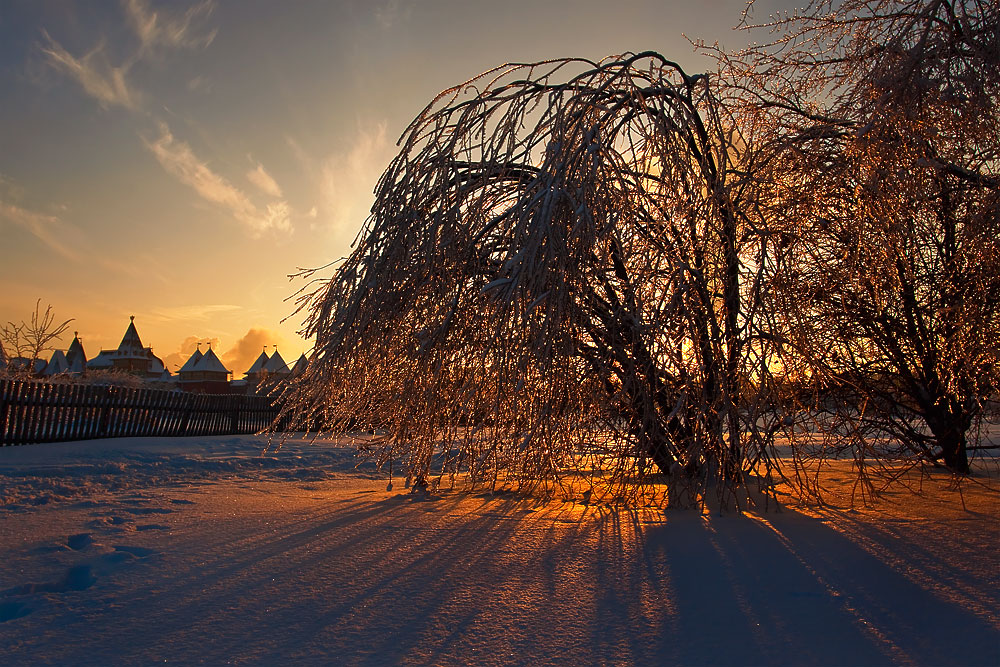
(210, 362)
(275, 364)
(142, 550)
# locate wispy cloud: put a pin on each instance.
(92, 71)
(180, 161)
(264, 182)
(348, 178)
(157, 29)
(392, 13)
(200, 84)
(69, 242)
(197, 312)
(48, 229)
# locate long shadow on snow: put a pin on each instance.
(474, 580)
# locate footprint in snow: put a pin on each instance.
(124, 553)
(77, 578)
(79, 541)
(76, 542)
(11, 610)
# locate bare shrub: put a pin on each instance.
(25, 342)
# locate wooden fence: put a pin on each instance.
(33, 412)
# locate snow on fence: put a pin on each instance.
(32, 412)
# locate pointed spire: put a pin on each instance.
(131, 344)
(276, 365)
(210, 362)
(301, 365)
(75, 356)
(258, 365)
(190, 364)
(57, 364)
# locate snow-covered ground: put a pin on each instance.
(135, 551)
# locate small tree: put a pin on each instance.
(27, 341)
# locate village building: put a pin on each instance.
(76, 358)
(71, 362)
(130, 357)
(276, 368)
(20, 364)
(266, 371)
(57, 364)
(301, 364)
(256, 372)
(203, 374)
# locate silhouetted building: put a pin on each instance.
(300, 365)
(71, 362)
(130, 357)
(203, 374)
(76, 358)
(57, 364)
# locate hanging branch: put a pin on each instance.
(560, 275)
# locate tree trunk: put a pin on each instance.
(954, 451)
(950, 437)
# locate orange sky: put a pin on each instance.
(176, 161)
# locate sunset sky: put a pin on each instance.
(176, 161)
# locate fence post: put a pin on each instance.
(102, 424)
(188, 406)
(6, 387)
(234, 414)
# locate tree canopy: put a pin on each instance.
(623, 270)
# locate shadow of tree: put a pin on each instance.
(505, 580)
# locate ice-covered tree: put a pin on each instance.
(601, 267)
(561, 273)
(886, 112)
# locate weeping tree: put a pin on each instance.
(562, 272)
(886, 113)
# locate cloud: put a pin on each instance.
(68, 241)
(200, 84)
(391, 14)
(155, 30)
(161, 29)
(48, 229)
(181, 162)
(194, 312)
(175, 360)
(264, 182)
(98, 78)
(349, 178)
(239, 358)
